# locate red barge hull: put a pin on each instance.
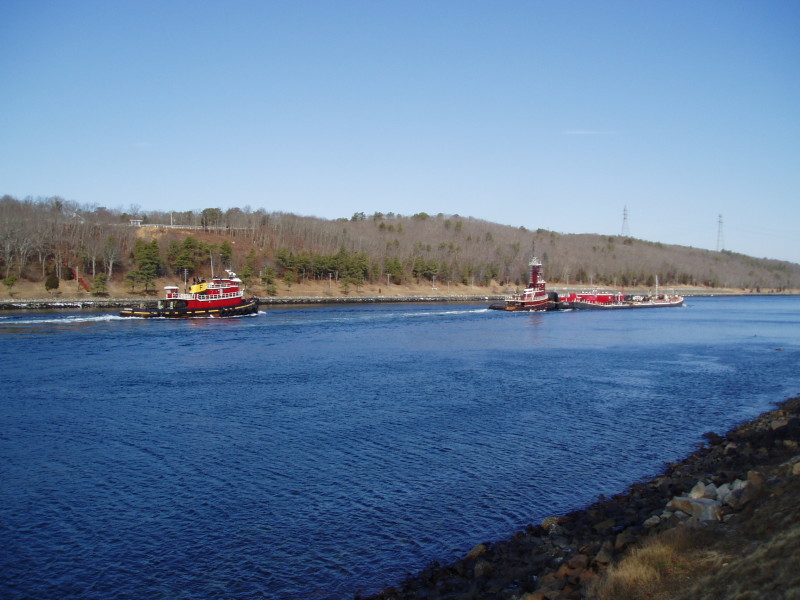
(647, 303)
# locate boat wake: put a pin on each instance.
(439, 313)
(351, 316)
(61, 320)
(416, 314)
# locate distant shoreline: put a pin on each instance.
(106, 303)
(92, 303)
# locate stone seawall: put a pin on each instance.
(110, 303)
(719, 484)
(71, 303)
(106, 303)
(376, 299)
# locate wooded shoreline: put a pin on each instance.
(53, 244)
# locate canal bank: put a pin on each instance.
(722, 523)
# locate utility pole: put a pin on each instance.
(720, 237)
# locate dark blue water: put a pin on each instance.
(313, 453)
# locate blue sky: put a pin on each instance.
(538, 114)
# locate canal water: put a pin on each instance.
(323, 451)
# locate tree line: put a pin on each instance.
(51, 239)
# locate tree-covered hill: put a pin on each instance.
(47, 238)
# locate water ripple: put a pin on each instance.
(310, 453)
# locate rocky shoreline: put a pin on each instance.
(558, 559)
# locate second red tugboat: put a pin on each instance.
(534, 297)
(222, 297)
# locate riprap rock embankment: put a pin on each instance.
(721, 482)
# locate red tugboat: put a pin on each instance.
(534, 297)
(222, 297)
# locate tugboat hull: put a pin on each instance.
(518, 305)
(246, 307)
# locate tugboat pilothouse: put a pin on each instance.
(221, 297)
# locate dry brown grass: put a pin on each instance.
(659, 567)
(763, 553)
(754, 558)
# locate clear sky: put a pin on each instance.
(554, 114)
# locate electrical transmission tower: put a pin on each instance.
(625, 231)
(720, 237)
